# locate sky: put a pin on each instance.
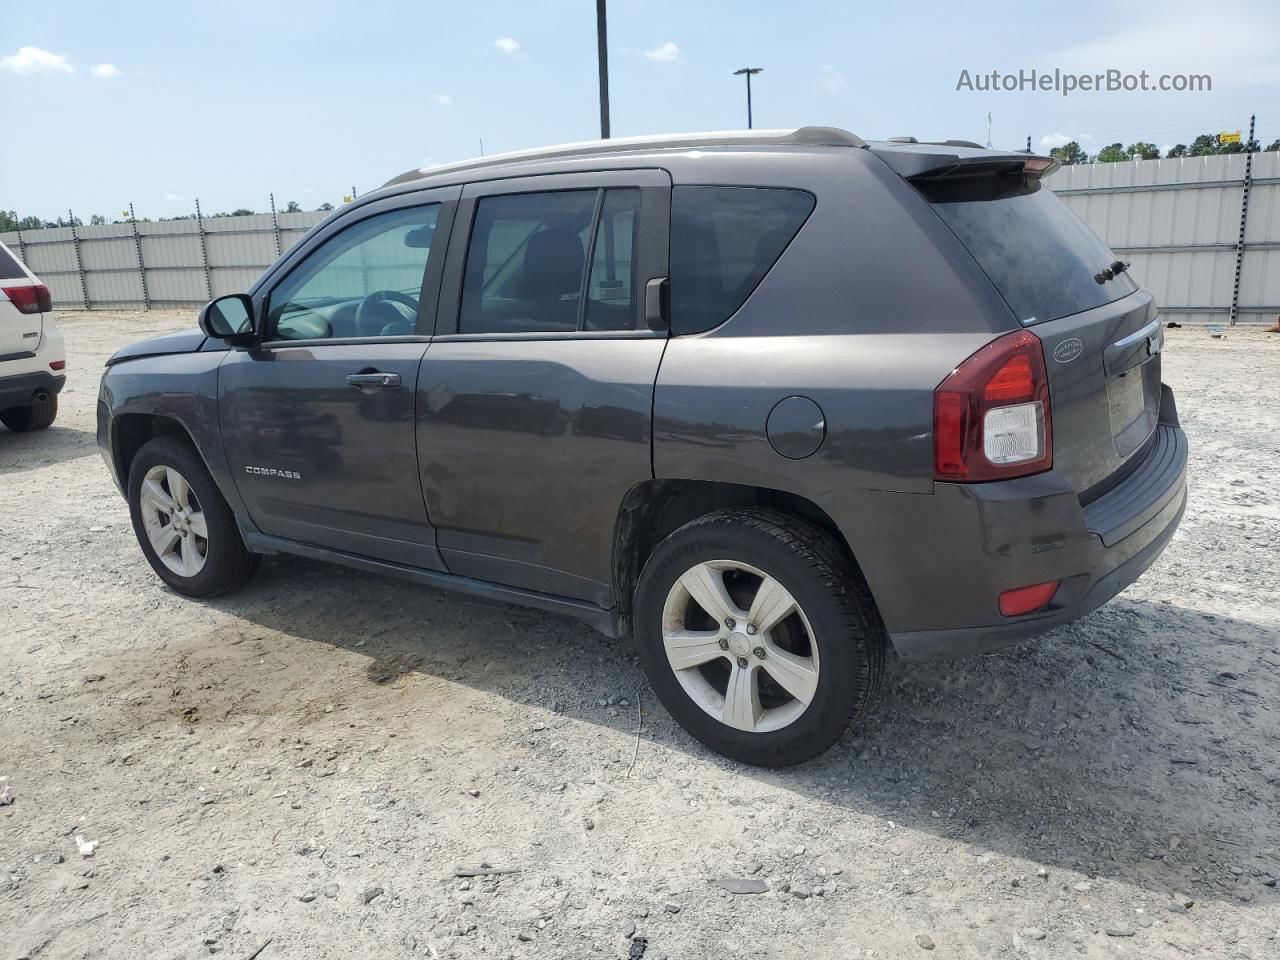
(158, 103)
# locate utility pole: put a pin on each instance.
(602, 54)
(748, 72)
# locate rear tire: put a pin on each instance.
(39, 415)
(186, 529)
(792, 655)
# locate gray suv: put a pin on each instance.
(768, 402)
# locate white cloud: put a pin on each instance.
(1182, 37)
(106, 71)
(507, 45)
(35, 60)
(443, 99)
(667, 53)
(1056, 139)
(174, 197)
(832, 79)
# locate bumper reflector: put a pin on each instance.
(1014, 603)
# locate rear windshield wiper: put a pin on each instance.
(1110, 273)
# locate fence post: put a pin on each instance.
(75, 246)
(22, 250)
(275, 224)
(204, 252)
(1244, 219)
(142, 270)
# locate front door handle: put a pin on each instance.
(374, 379)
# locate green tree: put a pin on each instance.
(1144, 151)
(241, 212)
(1205, 145)
(292, 207)
(324, 207)
(1274, 144)
(1069, 153)
(1111, 153)
(1180, 150)
(97, 220)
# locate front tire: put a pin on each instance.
(185, 528)
(758, 635)
(39, 415)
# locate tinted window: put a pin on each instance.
(723, 242)
(527, 262)
(1040, 256)
(362, 282)
(9, 269)
(611, 287)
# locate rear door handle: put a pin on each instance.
(374, 379)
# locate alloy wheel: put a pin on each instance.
(173, 520)
(740, 645)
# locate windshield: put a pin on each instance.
(1040, 256)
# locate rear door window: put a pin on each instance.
(531, 255)
(1040, 256)
(9, 267)
(723, 242)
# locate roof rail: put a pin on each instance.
(803, 136)
(937, 143)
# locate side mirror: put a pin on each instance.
(228, 318)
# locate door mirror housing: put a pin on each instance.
(229, 318)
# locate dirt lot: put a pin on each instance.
(256, 768)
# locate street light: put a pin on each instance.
(602, 58)
(748, 71)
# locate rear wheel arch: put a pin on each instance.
(653, 509)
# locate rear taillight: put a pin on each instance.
(991, 416)
(30, 299)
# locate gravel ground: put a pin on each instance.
(308, 764)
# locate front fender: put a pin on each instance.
(182, 388)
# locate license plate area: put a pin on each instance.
(1133, 400)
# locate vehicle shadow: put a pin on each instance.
(1100, 748)
(42, 448)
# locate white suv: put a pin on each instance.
(33, 360)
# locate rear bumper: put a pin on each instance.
(1035, 530)
(16, 390)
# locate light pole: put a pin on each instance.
(602, 52)
(748, 71)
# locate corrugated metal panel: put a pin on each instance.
(1176, 221)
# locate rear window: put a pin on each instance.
(723, 242)
(1040, 256)
(9, 268)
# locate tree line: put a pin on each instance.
(10, 221)
(1205, 145)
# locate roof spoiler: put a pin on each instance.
(920, 165)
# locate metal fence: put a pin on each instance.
(164, 263)
(1202, 233)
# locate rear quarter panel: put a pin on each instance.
(869, 308)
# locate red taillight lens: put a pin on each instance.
(58, 365)
(30, 299)
(991, 415)
(1015, 603)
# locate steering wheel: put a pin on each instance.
(376, 317)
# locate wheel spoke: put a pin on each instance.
(177, 487)
(190, 555)
(706, 585)
(772, 604)
(162, 537)
(742, 699)
(154, 494)
(796, 675)
(198, 525)
(692, 648)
